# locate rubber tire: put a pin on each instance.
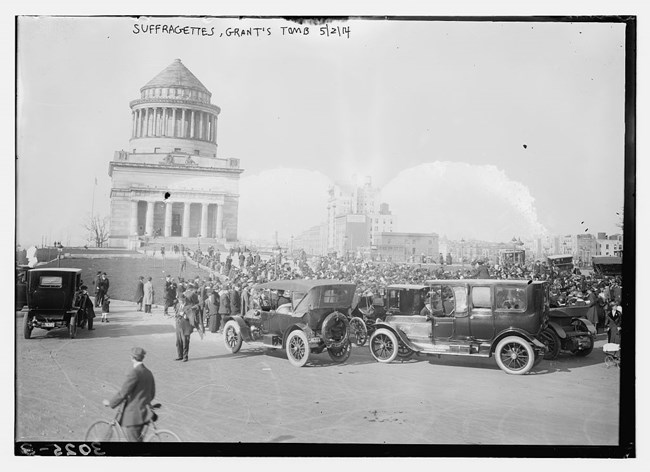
(343, 353)
(585, 352)
(102, 431)
(232, 336)
(27, 329)
(359, 331)
(163, 435)
(404, 352)
(524, 346)
(383, 345)
(72, 327)
(328, 324)
(297, 343)
(552, 341)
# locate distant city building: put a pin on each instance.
(170, 184)
(313, 241)
(358, 200)
(609, 245)
(407, 247)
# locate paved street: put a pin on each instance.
(257, 396)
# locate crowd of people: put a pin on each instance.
(233, 277)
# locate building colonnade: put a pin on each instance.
(174, 122)
(183, 209)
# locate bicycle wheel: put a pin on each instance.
(163, 435)
(103, 431)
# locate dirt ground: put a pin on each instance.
(257, 396)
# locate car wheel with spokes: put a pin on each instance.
(232, 336)
(552, 342)
(404, 352)
(514, 355)
(297, 348)
(358, 331)
(383, 345)
(340, 354)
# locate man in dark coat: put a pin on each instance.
(86, 311)
(170, 293)
(139, 292)
(614, 314)
(224, 304)
(183, 328)
(235, 301)
(98, 277)
(138, 391)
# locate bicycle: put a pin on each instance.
(105, 431)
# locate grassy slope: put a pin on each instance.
(123, 273)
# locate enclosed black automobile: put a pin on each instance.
(50, 299)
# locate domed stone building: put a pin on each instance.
(170, 186)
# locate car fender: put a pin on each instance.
(517, 332)
(301, 326)
(588, 324)
(401, 336)
(558, 329)
(243, 327)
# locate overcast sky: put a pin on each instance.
(473, 129)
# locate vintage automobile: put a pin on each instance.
(471, 317)
(568, 330)
(21, 287)
(50, 300)
(300, 316)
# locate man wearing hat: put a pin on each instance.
(137, 392)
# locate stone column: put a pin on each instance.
(134, 218)
(192, 125)
(149, 220)
(204, 220)
(138, 126)
(186, 220)
(219, 228)
(183, 124)
(216, 120)
(168, 219)
(147, 118)
(156, 122)
(201, 130)
(133, 122)
(173, 122)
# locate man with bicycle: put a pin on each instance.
(137, 392)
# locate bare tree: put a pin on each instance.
(96, 230)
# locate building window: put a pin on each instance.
(155, 150)
(196, 152)
(177, 149)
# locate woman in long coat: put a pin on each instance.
(211, 308)
(148, 295)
